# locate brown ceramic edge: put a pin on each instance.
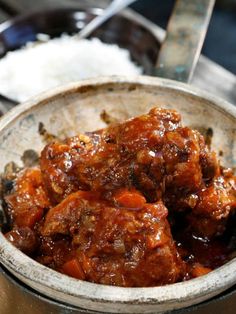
(90, 84)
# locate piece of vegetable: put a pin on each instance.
(129, 199)
(73, 268)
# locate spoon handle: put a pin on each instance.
(186, 32)
(115, 7)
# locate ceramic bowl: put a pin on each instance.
(76, 108)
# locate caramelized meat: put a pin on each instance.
(116, 245)
(27, 203)
(140, 203)
(23, 238)
(215, 203)
(119, 156)
(151, 152)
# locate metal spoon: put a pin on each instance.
(115, 7)
(185, 35)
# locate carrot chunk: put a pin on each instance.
(29, 218)
(72, 268)
(199, 270)
(129, 199)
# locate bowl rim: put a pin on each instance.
(64, 288)
(14, 20)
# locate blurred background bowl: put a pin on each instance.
(142, 44)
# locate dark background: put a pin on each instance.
(220, 43)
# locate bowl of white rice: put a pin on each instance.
(41, 51)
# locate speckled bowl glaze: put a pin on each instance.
(76, 108)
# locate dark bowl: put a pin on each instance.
(121, 30)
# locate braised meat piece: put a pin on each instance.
(215, 204)
(23, 238)
(28, 200)
(151, 152)
(108, 159)
(26, 206)
(208, 210)
(127, 243)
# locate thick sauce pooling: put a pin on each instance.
(140, 203)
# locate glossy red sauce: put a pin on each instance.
(140, 203)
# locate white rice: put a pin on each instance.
(36, 68)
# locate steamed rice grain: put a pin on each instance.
(36, 68)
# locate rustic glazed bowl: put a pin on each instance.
(76, 108)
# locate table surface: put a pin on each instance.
(208, 76)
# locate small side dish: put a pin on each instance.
(140, 203)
